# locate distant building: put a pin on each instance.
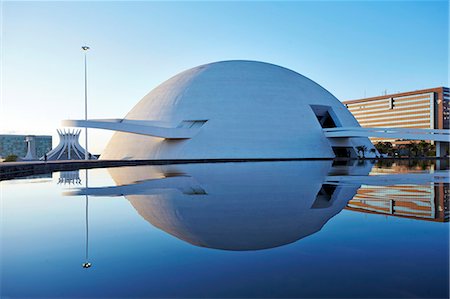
(17, 145)
(419, 109)
(69, 148)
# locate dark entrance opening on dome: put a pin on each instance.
(326, 116)
(324, 197)
(344, 152)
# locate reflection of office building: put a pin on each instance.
(420, 109)
(17, 145)
(424, 202)
(37, 178)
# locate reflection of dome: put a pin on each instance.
(234, 206)
(242, 109)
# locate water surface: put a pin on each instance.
(266, 229)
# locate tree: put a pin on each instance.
(380, 147)
(385, 148)
(374, 151)
(362, 149)
(10, 158)
(413, 149)
(424, 148)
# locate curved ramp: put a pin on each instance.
(184, 130)
(397, 133)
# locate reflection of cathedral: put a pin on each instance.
(69, 177)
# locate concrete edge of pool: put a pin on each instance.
(11, 170)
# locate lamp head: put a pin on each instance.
(86, 265)
(85, 48)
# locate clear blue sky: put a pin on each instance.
(350, 48)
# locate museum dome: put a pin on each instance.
(235, 110)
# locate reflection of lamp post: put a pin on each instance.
(86, 264)
(85, 49)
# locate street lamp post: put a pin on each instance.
(85, 49)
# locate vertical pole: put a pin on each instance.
(87, 221)
(86, 155)
(87, 264)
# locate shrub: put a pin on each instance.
(11, 158)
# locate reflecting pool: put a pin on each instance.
(265, 229)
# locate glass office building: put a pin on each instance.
(17, 145)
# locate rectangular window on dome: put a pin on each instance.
(326, 116)
(190, 124)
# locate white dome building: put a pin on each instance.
(236, 110)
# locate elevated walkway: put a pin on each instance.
(392, 133)
(183, 183)
(184, 130)
(389, 179)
